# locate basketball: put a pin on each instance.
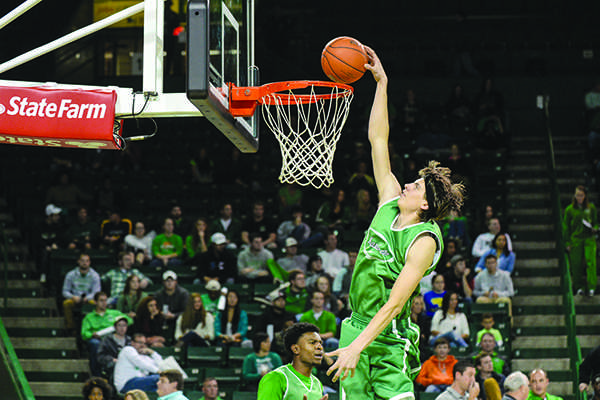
(343, 60)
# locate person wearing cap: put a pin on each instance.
(292, 260)
(538, 382)
(111, 345)
(217, 263)
(212, 297)
(96, 325)
(276, 315)
(252, 262)
(171, 299)
(589, 369)
(167, 248)
(458, 278)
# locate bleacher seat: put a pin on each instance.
(236, 356)
(198, 357)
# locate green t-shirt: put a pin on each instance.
(381, 258)
(163, 245)
(326, 321)
(573, 223)
(548, 397)
(254, 365)
(285, 383)
(93, 322)
(493, 331)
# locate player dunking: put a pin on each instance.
(379, 343)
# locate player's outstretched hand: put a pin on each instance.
(375, 66)
(322, 398)
(347, 359)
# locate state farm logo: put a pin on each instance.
(66, 108)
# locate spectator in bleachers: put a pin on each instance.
(137, 366)
(276, 316)
(315, 270)
(117, 276)
(538, 381)
(296, 295)
(111, 345)
(212, 297)
(66, 194)
(261, 362)
(488, 108)
(299, 230)
(323, 319)
(150, 321)
(79, 287)
(449, 323)
(140, 243)
(458, 278)
(217, 263)
(136, 394)
(485, 370)
(418, 316)
(323, 285)
(98, 324)
(451, 249)
(361, 178)
(505, 258)
(483, 242)
(228, 225)
(589, 371)
(455, 227)
(172, 298)
(493, 285)
(82, 234)
(334, 214)
(252, 262)
(516, 386)
(132, 295)
(292, 260)
(463, 386)
(458, 111)
(195, 326)
(202, 167)
(49, 237)
(197, 242)
(341, 283)
(170, 385)
(580, 225)
(97, 388)
(113, 231)
(412, 117)
(180, 225)
(487, 322)
(231, 324)
(167, 248)
(488, 346)
(264, 225)
(436, 371)
(362, 210)
(210, 388)
(290, 197)
(105, 196)
(433, 298)
(334, 259)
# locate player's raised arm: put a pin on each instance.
(379, 129)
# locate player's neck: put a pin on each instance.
(302, 367)
(406, 219)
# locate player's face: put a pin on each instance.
(310, 348)
(539, 383)
(413, 196)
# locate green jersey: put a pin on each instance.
(285, 383)
(547, 397)
(381, 258)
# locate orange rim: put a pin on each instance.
(274, 89)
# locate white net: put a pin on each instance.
(307, 132)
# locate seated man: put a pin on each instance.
(436, 372)
(463, 386)
(296, 294)
(488, 346)
(167, 248)
(493, 285)
(323, 319)
(118, 276)
(334, 259)
(485, 371)
(137, 366)
(172, 299)
(292, 260)
(170, 385)
(210, 388)
(252, 262)
(79, 287)
(111, 345)
(96, 325)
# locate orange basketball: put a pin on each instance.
(343, 60)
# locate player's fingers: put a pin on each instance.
(305, 397)
(332, 368)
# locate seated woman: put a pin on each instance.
(129, 301)
(449, 323)
(259, 363)
(195, 326)
(323, 284)
(197, 241)
(231, 324)
(150, 321)
(506, 258)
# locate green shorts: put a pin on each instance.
(386, 368)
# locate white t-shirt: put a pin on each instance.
(334, 261)
(456, 323)
(131, 364)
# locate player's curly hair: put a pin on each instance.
(441, 193)
(292, 334)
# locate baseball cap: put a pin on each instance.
(120, 319)
(213, 285)
(218, 238)
(291, 242)
(52, 209)
(456, 259)
(169, 274)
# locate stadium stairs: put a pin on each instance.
(49, 358)
(539, 316)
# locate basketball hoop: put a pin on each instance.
(306, 117)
